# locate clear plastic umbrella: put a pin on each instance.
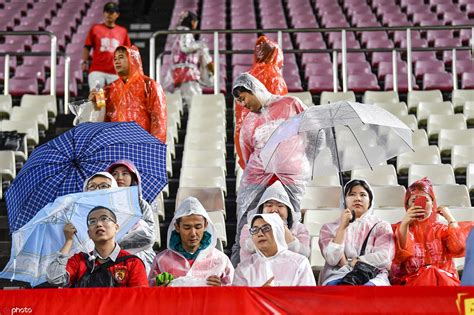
(347, 135)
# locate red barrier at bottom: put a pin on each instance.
(240, 300)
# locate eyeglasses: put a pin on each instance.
(97, 186)
(103, 218)
(264, 228)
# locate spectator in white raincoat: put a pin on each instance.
(341, 241)
(276, 200)
(273, 264)
(191, 257)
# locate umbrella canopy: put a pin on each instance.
(60, 166)
(344, 135)
(35, 245)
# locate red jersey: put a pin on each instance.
(128, 273)
(103, 40)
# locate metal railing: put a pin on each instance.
(155, 61)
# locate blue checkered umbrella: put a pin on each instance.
(60, 166)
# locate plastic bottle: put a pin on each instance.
(100, 96)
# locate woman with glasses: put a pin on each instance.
(272, 264)
(276, 200)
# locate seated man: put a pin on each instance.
(107, 266)
(192, 258)
(273, 264)
(100, 180)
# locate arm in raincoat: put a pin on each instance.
(383, 250)
(56, 272)
(156, 106)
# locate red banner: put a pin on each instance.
(240, 300)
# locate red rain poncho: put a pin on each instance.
(267, 65)
(138, 99)
(430, 247)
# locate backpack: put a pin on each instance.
(99, 275)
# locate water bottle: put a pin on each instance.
(100, 96)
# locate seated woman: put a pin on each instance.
(425, 248)
(275, 200)
(273, 264)
(140, 239)
(341, 242)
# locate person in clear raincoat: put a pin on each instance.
(267, 68)
(191, 257)
(341, 241)
(140, 239)
(134, 96)
(192, 65)
(425, 248)
(276, 200)
(273, 264)
(267, 112)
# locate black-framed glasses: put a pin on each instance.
(103, 218)
(264, 228)
(94, 186)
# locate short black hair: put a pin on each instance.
(188, 19)
(363, 184)
(102, 208)
(111, 7)
(289, 219)
(255, 217)
(239, 89)
(178, 220)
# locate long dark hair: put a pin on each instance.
(363, 184)
(188, 19)
(239, 89)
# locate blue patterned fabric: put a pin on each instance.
(60, 166)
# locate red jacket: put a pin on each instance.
(129, 273)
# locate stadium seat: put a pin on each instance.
(380, 175)
(410, 121)
(391, 215)
(217, 218)
(398, 109)
(424, 109)
(29, 127)
(468, 111)
(415, 97)
(419, 138)
(5, 106)
(317, 197)
(438, 122)
(470, 177)
(388, 196)
(314, 219)
(7, 165)
(459, 97)
(447, 138)
(439, 174)
(331, 97)
(376, 97)
(212, 199)
(452, 195)
(304, 97)
(461, 157)
(424, 155)
(37, 113)
(33, 100)
(316, 258)
(203, 177)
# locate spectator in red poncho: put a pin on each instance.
(425, 248)
(134, 96)
(267, 65)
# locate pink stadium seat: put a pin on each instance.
(20, 86)
(30, 71)
(402, 82)
(293, 82)
(385, 68)
(352, 57)
(467, 81)
(438, 81)
(315, 58)
(358, 68)
(423, 56)
(379, 43)
(366, 36)
(428, 66)
(320, 83)
(399, 36)
(460, 55)
(415, 43)
(447, 42)
(378, 57)
(318, 69)
(431, 35)
(362, 82)
(60, 87)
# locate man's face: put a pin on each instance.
(99, 182)
(191, 230)
(250, 102)
(264, 241)
(101, 226)
(110, 18)
(121, 62)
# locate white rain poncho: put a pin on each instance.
(113, 183)
(209, 261)
(301, 242)
(287, 268)
(379, 251)
(292, 170)
(140, 239)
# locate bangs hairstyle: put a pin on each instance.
(239, 89)
(188, 20)
(361, 183)
(255, 218)
(121, 49)
(102, 208)
(132, 174)
(289, 219)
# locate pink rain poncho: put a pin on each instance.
(288, 268)
(427, 258)
(209, 262)
(267, 66)
(379, 251)
(138, 99)
(301, 243)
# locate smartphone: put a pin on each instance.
(353, 216)
(420, 201)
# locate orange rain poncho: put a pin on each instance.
(267, 65)
(138, 99)
(430, 247)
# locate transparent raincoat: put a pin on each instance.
(188, 70)
(301, 242)
(267, 68)
(288, 268)
(210, 261)
(138, 99)
(379, 251)
(427, 258)
(140, 239)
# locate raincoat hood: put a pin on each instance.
(423, 185)
(135, 68)
(268, 52)
(190, 206)
(251, 83)
(371, 209)
(278, 231)
(277, 192)
(131, 168)
(104, 174)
